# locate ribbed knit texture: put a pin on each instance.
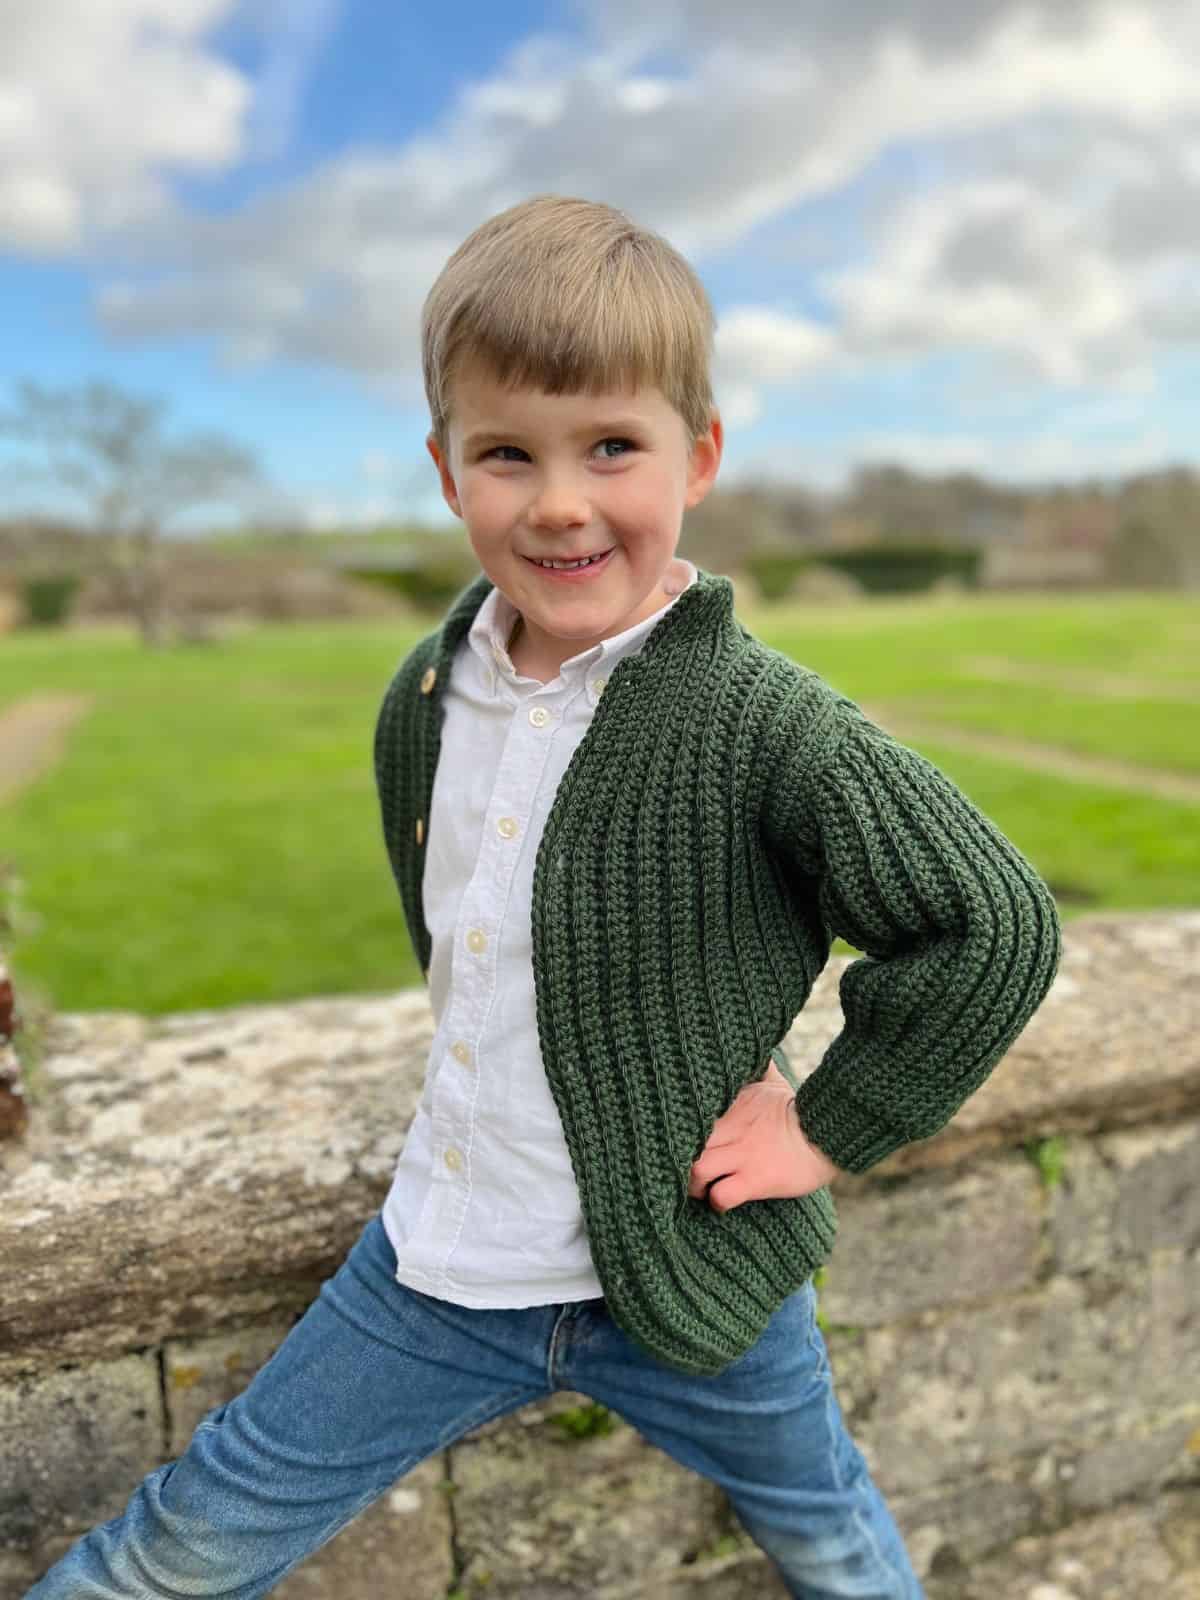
(725, 815)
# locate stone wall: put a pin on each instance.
(1012, 1308)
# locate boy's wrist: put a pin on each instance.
(827, 1162)
(773, 1075)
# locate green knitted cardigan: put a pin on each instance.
(725, 814)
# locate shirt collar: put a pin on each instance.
(492, 627)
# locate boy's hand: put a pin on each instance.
(758, 1151)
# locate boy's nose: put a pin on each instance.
(558, 505)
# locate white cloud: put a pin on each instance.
(98, 104)
(292, 33)
(1060, 238)
(1043, 457)
(754, 342)
(994, 266)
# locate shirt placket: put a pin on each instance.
(474, 964)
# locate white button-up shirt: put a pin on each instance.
(483, 1208)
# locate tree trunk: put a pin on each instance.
(152, 589)
(138, 567)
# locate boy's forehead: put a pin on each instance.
(477, 398)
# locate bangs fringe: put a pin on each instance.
(584, 302)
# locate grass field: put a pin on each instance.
(211, 835)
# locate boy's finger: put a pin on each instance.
(707, 1171)
(726, 1193)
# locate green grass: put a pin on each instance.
(212, 835)
(915, 658)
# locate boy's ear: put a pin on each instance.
(449, 489)
(705, 460)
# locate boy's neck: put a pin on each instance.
(518, 638)
(527, 667)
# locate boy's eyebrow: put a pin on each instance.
(589, 430)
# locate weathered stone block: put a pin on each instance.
(1126, 1194)
(951, 1525)
(1131, 1465)
(75, 1445)
(1082, 1359)
(257, 1141)
(1124, 1555)
(17, 1573)
(540, 1512)
(937, 1240)
(202, 1373)
(399, 1546)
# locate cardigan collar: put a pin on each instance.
(704, 603)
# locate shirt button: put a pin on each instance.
(453, 1159)
(507, 827)
(598, 685)
(429, 679)
(476, 941)
(539, 716)
(461, 1050)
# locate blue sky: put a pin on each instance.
(947, 236)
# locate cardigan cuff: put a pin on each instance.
(784, 1065)
(843, 1129)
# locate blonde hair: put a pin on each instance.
(569, 295)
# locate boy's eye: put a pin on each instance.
(611, 449)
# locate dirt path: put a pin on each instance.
(1048, 758)
(1080, 680)
(33, 735)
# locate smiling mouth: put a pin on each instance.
(569, 566)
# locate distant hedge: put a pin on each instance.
(895, 568)
(430, 585)
(775, 571)
(48, 600)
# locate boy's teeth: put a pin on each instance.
(564, 564)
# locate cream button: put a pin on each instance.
(453, 1159)
(598, 685)
(539, 716)
(461, 1050)
(420, 831)
(429, 679)
(507, 827)
(476, 941)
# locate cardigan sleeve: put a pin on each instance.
(961, 937)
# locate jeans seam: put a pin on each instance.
(552, 1348)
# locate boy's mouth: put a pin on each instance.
(585, 567)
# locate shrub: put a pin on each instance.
(775, 571)
(906, 568)
(427, 581)
(48, 600)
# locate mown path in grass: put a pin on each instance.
(209, 833)
(1050, 759)
(33, 733)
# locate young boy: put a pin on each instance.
(624, 833)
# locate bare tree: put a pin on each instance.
(108, 449)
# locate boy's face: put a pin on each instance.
(558, 476)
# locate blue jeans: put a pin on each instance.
(377, 1376)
